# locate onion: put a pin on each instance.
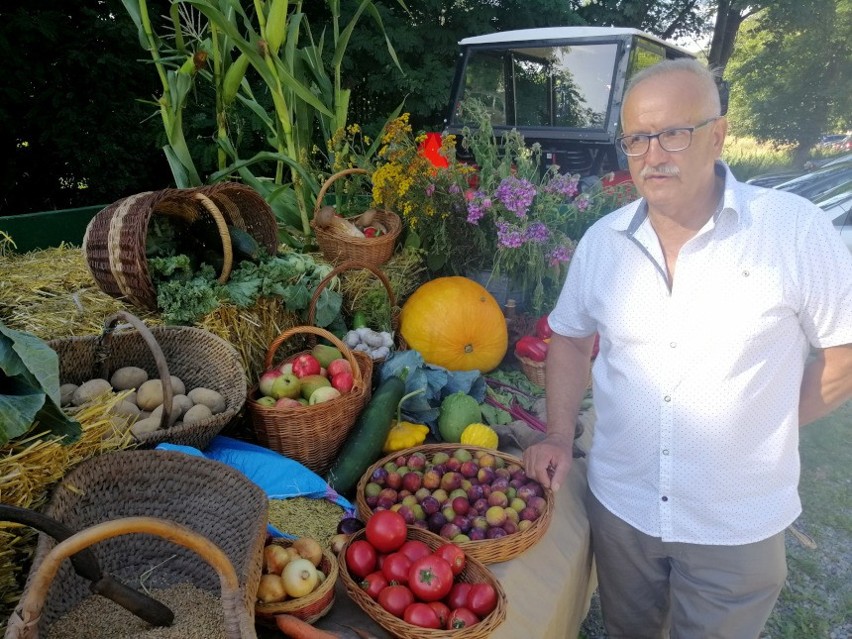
(309, 549)
(300, 578)
(271, 589)
(275, 557)
(337, 542)
(349, 525)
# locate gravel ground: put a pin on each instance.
(833, 558)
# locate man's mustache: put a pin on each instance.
(662, 169)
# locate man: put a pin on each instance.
(708, 296)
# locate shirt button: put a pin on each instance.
(667, 398)
(673, 344)
(665, 451)
(665, 498)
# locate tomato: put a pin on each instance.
(414, 549)
(461, 618)
(458, 595)
(441, 609)
(453, 555)
(430, 578)
(395, 599)
(396, 567)
(421, 614)
(386, 530)
(306, 364)
(482, 599)
(373, 583)
(360, 558)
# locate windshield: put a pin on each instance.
(546, 86)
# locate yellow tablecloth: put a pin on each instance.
(548, 587)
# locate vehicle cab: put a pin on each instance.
(559, 86)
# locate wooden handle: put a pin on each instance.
(224, 235)
(349, 265)
(357, 378)
(23, 623)
(331, 180)
(159, 357)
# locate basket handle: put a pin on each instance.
(224, 235)
(331, 180)
(159, 357)
(340, 268)
(357, 378)
(23, 623)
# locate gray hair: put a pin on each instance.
(706, 77)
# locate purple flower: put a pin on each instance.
(430, 189)
(477, 207)
(582, 202)
(564, 185)
(516, 195)
(560, 254)
(509, 235)
(454, 188)
(537, 232)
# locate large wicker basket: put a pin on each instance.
(488, 551)
(371, 250)
(311, 607)
(353, 265)
(312, 435)
(533, 370)
(474, 572)
(115, 241)
(196, 356)
(205, 505)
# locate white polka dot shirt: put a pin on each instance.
(696, 388)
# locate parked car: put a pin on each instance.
(837, 204)
(770, 180)
(843, 145)
(815, 184)
(830, 140)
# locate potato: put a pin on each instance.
(178, 387)
(179, 407)
(185, 403)
(210, 398)
(87, 391)
(196, 414)
(128, 377)
(126, 409)
(131, 398)
(150, 394)
(66, 393)
(144, 426)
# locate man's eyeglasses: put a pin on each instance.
(671, 140)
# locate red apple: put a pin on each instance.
(267, 379)
(342, 381)
(337, 366)
(286, 367)
(306, 364)
(288, 402)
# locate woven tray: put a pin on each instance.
(312, 435)
(474, 571)
(533, 370)
(196, 356)
(371, 250)
(208, 498)
(311, 607)
(115, 240)
(488, 551)
(354, 265)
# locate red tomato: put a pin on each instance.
(360, 558)
(441, 609)
(458, 595)
(414, 549)
(430, 578)
(482, 599)
(453, 555)
(386, 530)
(396, 567)
(373, 583)
(421, 614)
(306, 364)
(395, 599)
(461, 618)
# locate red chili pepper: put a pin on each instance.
(531, 347)
(542, 328)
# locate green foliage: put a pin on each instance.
(29, 388)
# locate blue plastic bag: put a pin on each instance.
(280, 477)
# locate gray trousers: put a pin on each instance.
(650, 589)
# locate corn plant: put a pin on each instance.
(267, 49)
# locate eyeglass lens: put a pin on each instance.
(672, 141)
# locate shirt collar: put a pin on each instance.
(629, 218)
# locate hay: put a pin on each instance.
(31, 467)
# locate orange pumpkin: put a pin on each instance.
(455, 323)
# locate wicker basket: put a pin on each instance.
(196, 356)
(351, 265)
(311, 607)
(312, 435)
(488, 551)
(215, 502)
(533, 370)
(371, 250)
(115, 241)
(474, 572)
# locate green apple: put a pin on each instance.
(266, 400)
(323, 394)
(310, 383)
(325, 354)
(286, 385)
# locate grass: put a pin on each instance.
(747, 157)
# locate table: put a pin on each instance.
(548, 587)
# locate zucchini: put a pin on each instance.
(364, 444)
(243, 245)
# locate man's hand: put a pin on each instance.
(549, 461)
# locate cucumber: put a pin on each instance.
(244, 246)
(364, 444)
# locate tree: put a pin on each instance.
(668, 19)
(730, 15)
(791, 74)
